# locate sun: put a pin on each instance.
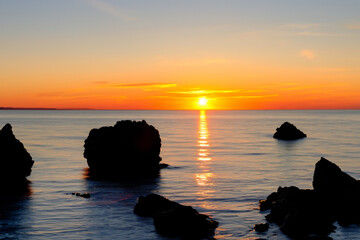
(203, 101)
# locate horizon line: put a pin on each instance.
(96, 109)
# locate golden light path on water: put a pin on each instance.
(203, 156)
(205, 178)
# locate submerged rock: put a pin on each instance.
(288, 131)
(84, 195)
(15, 161)
(153, 204)
(128, 149)
(301, 212)
(174, 219)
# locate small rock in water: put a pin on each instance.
(261, 227)
(84, 195)
(174, 219)
(288, 131)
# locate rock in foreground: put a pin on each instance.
(300, 212)
(15, 161)
(288, 131)
(128, 149)
(340, 191)
(174, 219)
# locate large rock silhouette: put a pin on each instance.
(15, 161)
(300, 212)
(174, 219)
(128, 149)
(288, 131)
(340, 191)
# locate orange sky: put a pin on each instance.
(239, 55)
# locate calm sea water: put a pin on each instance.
(222, 163)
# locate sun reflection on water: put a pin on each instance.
(203, 144)
(202, 179)
(205, 177)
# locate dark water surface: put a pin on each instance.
(222, 163)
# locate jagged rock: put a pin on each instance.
(288, 131)
(174, 219)
(128, 149)
(340, 191)
(328, 178)
(84, 195)
(300, 212)
(15, 161)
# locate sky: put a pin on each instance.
(168, 54)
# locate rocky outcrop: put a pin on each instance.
(174, 219)
(288, 131)
(128, 149)
(340, 191)
(300, 212)
(15, 161)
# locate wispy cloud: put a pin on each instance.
(217, 97)
(110, 9)
(324, 34)
(315, 34)
(332, 70)
(202, 92)
(307, 54)
(168, 61)
(221, 94)
(75, 94)
(353, 26)
(256, 96)
(137, 85)
(300, 26)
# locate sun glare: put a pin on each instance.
(203, 101)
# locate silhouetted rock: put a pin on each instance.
(328, 178)
(261, 227)
(84, 195)
(300, 212)
(174, 219)
(153, 204)
(15, 162)
(128, 149)
(288, 131)
(340, 191)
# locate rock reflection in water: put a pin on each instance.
(14, 208)
(112, 204)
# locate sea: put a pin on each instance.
(220, 162)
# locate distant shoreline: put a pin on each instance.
(12, 108)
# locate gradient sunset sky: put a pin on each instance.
(151, 54)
